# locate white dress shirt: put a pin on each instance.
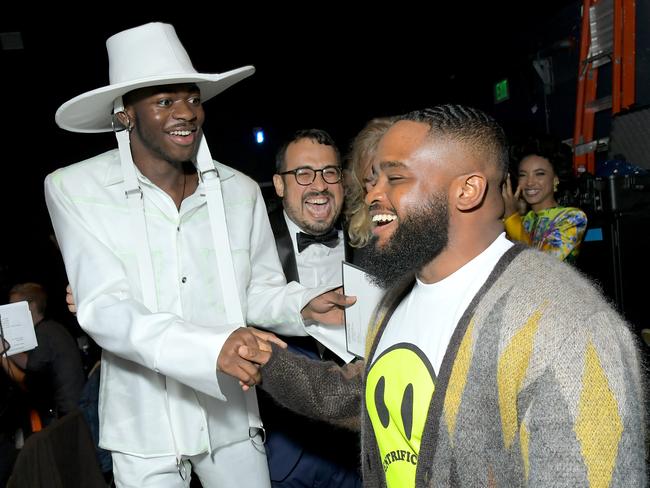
(160, 394)
(318, 266)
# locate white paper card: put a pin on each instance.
(17, 327)
(356, 282)
(332, 337)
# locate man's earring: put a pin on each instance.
(118, 125)
(555, 184)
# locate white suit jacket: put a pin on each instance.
(160, 393)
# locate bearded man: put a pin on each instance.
(488, 363)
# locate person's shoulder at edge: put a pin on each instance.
(226, 174)
(576, 213)
(572, 212)
(101, 165)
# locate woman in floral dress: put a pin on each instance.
(547, 225)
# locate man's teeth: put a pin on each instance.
(317, 201)
(383, 218)
(180, 132)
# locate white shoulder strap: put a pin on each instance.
(217, 214)
(137, 222)
(210, 177)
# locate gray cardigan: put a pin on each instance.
(545, 378)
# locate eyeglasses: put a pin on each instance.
(305, 176)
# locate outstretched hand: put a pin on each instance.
(328, 308)
(245, 350)
(242, 353)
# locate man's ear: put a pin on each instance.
(470, 191)
(126, 119)
(278, 183)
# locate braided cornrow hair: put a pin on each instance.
(469, 125)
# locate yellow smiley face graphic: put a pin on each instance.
(399, 388)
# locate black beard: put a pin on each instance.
(420, 237)
(314, 228)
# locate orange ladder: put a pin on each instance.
(607, 36)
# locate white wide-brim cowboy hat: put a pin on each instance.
(148, 55)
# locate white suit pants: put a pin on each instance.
(240, 465)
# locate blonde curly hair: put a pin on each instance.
(362, 150)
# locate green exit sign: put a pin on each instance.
(501, 91)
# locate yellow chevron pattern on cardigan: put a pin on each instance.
(511, 370)
(458, 380)
(598, 425)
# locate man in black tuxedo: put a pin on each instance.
(311, 248)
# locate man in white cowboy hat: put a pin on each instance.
(168, 254)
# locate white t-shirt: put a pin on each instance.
(428, 316)
(401, 379)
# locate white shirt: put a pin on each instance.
(320, 265)
(159, 392)
(428, 316)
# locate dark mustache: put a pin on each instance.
(376, 206)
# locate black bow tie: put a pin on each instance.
(330, 239)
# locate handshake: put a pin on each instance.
(247, 349)
(243, 354)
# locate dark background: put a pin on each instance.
(317, 66)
